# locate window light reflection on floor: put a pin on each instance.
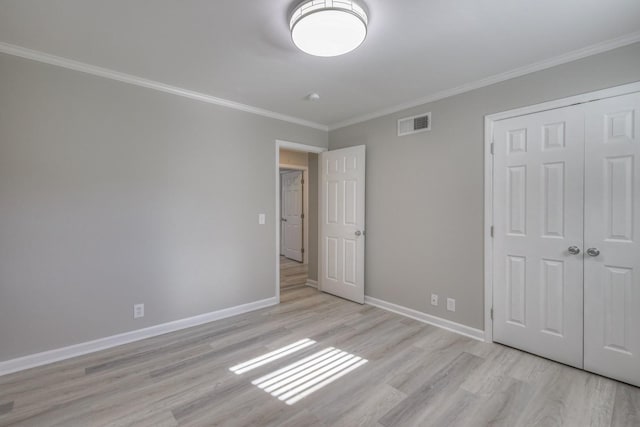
(298, 380)
(270, 357)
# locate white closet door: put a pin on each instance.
(538, 213)
(342, 187)
(292, 209)
(612, 228)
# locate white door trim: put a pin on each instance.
(489, 121)
(305, 207)
(294, 146)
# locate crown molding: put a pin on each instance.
(107, 73)
(497, 78)
(151, 84)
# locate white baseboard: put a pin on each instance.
(458, 328)
(56, 355)
(312, 283)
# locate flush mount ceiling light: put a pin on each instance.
(328, 27)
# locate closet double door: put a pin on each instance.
(566, 246)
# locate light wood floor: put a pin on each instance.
(416, 375)
(292, 273)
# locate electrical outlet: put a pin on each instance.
(138, 311)
(262, 219)
(451, 304)
(434, 299)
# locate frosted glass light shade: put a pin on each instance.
(329, 27)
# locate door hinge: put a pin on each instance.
(302, 216)
(492, 148)
(491, 313)
(492, 229)
(302, 250)
(302, 181)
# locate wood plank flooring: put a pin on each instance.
(415, 375)
(292, 273)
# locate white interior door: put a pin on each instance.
(538, 216)
(291, 215)
(612, 231)
(342, 187)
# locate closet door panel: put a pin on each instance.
(538, 211)
(612, 231)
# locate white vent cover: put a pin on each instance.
(414, 124)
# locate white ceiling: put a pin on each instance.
(241, 50)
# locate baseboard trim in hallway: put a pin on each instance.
(56, 355)
(312, 283)
(458, 328)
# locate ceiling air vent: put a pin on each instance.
(414, 124)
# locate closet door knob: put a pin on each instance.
(593, 252)
(574, 250)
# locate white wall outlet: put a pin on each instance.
(262, 219)
(451, 304)
(138, 311)
(434, 299)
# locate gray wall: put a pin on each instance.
(425, 192)
(313, 216)
(111, 194)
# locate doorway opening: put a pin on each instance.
(294, 218)
(296, 215)
(335, 248)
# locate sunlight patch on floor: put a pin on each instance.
(270, 357)
(298, 380)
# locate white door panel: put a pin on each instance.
(292, 220)
(342, 190)
(538, 199)
(612, 226)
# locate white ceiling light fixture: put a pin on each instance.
(328, 27)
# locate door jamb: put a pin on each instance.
(294, 146)
(489, 121)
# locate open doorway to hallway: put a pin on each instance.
(298, 206)
(335, 188)
(297, 188)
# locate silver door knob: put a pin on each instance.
(593, 252)
(574, 250)
(358, 233)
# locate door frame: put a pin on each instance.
(489, 121)
(293, 146)
(305, 206)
